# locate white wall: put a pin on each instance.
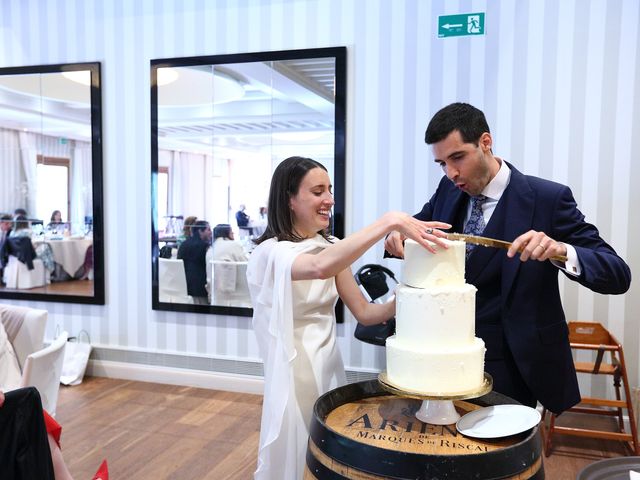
(559, 82)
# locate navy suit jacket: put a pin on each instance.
(193, 252)
(532, 320)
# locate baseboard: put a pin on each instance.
(174, 368)
(176, 376)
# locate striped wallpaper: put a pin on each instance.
(558, 80)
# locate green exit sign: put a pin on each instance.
(459, 25)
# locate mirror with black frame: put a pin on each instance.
(219, 127)
(51, 244)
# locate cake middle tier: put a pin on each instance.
(443, 371)
(435, 317)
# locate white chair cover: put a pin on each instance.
(43, 369)
(18, 275)
(172, 281)
(30, 336)
(230, 286)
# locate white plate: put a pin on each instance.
(498, 421)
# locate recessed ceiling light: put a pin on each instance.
(191, 86)
(167, 75)
(79, 76)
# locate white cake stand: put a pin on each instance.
(436, 408)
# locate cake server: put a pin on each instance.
(491, 242)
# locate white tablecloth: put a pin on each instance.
(69, 253)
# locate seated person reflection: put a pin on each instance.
(56, 225)
(225, 248)
(186, 229)
(21, 228)
(6, 222)
(19, 212)
(193, 252)
(43, 251)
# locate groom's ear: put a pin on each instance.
(485, 141)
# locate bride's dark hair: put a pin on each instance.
(285, 183)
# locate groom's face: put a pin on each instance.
(469, 166)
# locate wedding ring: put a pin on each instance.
(429, 231)
(543, 247)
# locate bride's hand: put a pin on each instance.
(422, 232)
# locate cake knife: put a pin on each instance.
(492, 242)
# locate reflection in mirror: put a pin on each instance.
(50, 183)
(220, 126)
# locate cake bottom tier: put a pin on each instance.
(436, 371)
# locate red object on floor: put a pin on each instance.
(102, 473)
(53, 427)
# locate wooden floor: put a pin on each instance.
(153, 431)
(72, 287)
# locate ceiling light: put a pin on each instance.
(196, 87)
(79, 76)
(167, 75)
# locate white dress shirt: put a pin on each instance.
(493, 191)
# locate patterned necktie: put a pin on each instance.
(475, 225)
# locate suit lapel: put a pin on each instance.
(520, 204)
(512, 217)
(451, 210)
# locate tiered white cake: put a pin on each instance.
(434, 350)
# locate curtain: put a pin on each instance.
(175, 184)
(80, 185)
(53, 146)
(18, 171)
(29, 160)
(187, 184)
(14, 188)
(190, 184)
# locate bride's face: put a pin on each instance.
(311, 206)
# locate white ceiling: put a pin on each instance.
(286, 102)
(48, 103)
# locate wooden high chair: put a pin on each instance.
(593, 336)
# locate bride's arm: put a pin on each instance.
(366, 313)
(335, 258)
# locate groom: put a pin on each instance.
(519, 313)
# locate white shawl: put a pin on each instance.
(10, 376)
(269, 278)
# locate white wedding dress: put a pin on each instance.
(295, 326)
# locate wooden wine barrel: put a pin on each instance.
(360, 431)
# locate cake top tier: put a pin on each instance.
(423, 269)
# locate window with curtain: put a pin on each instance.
(52, 179)
(163, 197)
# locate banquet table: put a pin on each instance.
(69, 252)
